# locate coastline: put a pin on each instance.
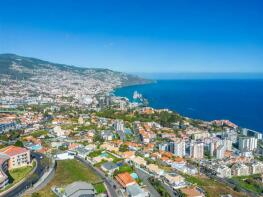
(158, 100)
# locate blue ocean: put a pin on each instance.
(239, 100)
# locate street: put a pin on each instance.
(27, 183)
(110, 183)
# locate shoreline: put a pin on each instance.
(183, 114)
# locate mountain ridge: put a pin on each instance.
(19, 67)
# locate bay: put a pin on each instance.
(238, 100)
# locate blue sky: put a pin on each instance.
(137, 35)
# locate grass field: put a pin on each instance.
(69, 171)
(252, 183)
(212, 187)
(18, 174)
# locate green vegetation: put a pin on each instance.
(211, 186)
(69, 171)
(97, 138)
(123, 148)
(39, 133)
(12, 135)
(164, 118)
(252, 183)
(19, 143)
(159, 188)
(124, 168)
(18, 174)
(100, 188)
(95, 153)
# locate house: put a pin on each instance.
(135, 190)
(64, 156)
(82, 152)
(128, 154)
(175, 180)
(19, 157)
(109, 147)
(107, 135)
(109, 167)
(139, 161)
(125, 179)
(155, 169)
(80, 188)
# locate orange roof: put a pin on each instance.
(167, 154)
(128, 154)
(132, 144)
(125, 179)
(13, 150)
(228, 153)
(179, 160)
(151, 145)
(72, 146)
(165, 158)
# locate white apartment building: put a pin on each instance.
(197, 150)
(119, 125)
(179, 148)
(220, 152)
(256, 167)
(246, 144)
(240, 169)
(223, 171)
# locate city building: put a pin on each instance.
(223, 171)
(177, 181)
(119, 125)
(19, 157)
(256, 167)
(76, 189)
(135, 190)
(220, 152)
(197, 150)
(247, 144)
(179, 148)
(109, 167)
(125, 179)
(240, 169)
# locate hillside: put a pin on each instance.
(24, 68)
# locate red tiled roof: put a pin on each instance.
(125, 179)
(13, 150)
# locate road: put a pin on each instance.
(27, 183)
(144, 176)
(109, 183)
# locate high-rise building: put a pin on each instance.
(227, 144)
(247, 144)
(164, 147)
(119, 125)
(197, 150)
(220, 152)
(179, 148)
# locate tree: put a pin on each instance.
(36, 195)
(123, 148)
(19, 143)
